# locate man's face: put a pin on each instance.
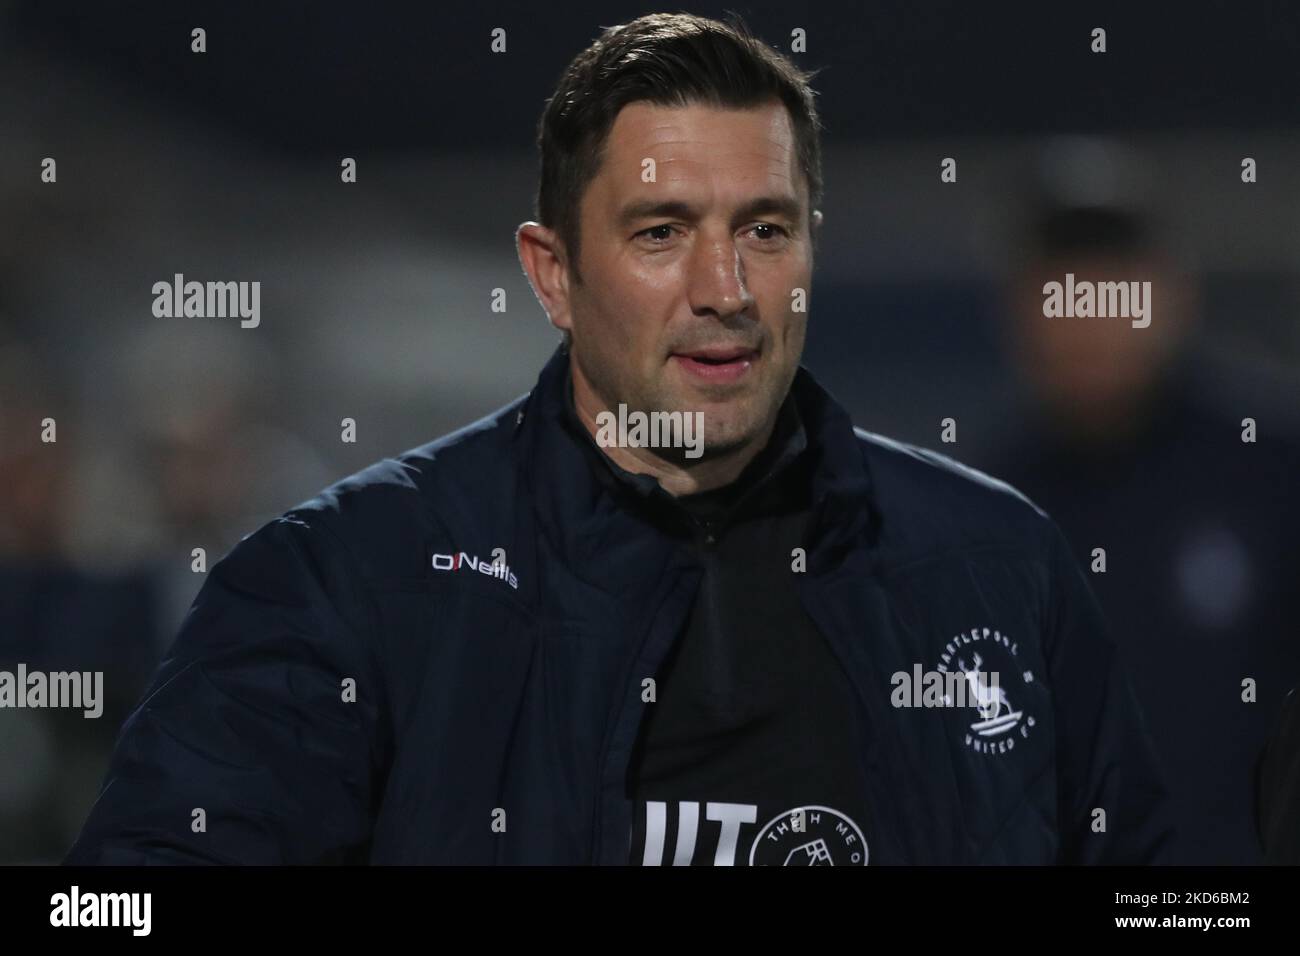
(1093, 369)
(687, 300)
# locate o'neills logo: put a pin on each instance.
(653, 430)
(460, 561)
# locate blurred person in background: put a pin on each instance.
(1136, 448)
(202, 462)
(55, 615)
(97, 531)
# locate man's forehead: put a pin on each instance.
(695, 139)
(646, 115)
(644, 121)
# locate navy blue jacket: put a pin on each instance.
(360, 681)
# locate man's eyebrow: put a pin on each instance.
(655, 209)
(786, 206)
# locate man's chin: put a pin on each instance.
(727, 419)
(727, 438)
(709, 436)
(708, 450)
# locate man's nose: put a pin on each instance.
(717, 279)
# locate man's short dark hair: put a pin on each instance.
(668, 60)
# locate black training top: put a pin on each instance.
(752, 718)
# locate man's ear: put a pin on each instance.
(542, 254)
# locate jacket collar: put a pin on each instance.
(758, 482)
(582, 517)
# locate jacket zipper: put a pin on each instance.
(630, 683)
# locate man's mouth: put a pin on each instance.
(719, 363)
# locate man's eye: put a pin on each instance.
(658, 233)
(767, 230)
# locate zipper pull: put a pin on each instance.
(707, 534)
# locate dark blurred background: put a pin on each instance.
(184, 433)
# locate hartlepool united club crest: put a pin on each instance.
(1001, 718)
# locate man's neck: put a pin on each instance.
(678, 478)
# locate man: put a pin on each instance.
(547, 639)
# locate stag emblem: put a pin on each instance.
(991, 701)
